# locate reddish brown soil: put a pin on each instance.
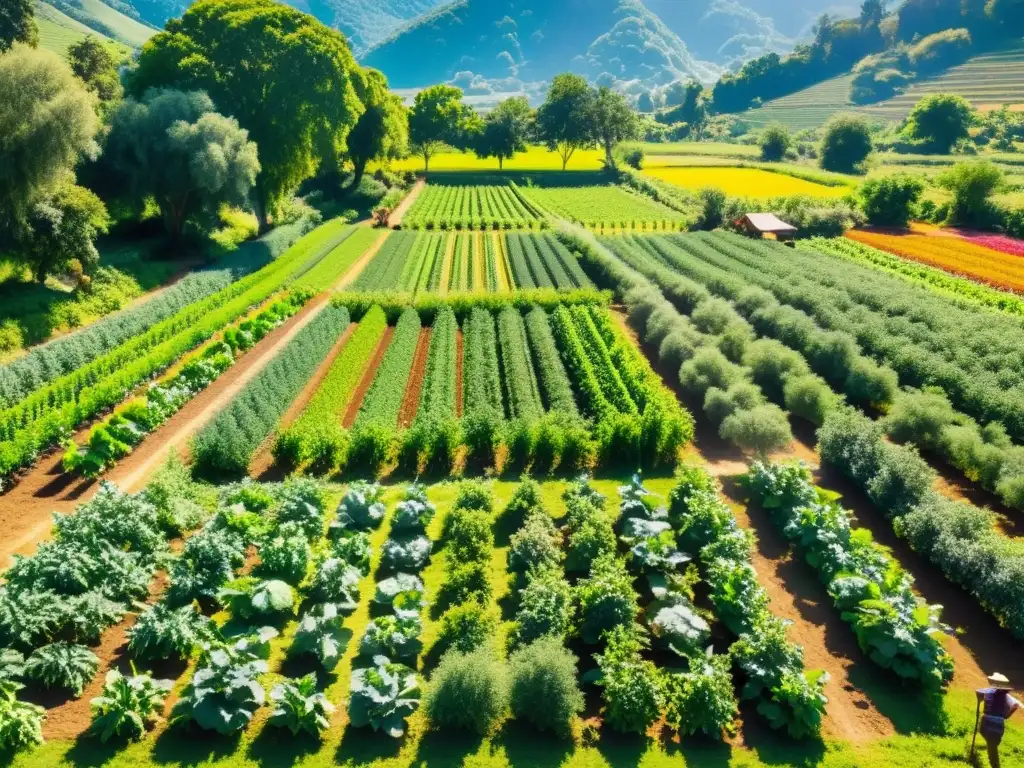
(364, 385)
(263, 460)
(25, 512)
(458, 373)
(398, 214)
(414, 386)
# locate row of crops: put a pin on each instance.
(394, 605)
(605, 207)
(41, 418)
(471, 206)
(752, 358)
(559, 388)
(465, 262)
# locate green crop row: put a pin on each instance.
(469, 207)
(117, 436)
(555, 386)
(601, 362)
(519, 262)
(580, 368)
(437, 398)
(50, 413)
(385, 269)
(455, 272)
(341, 258)
(523, 393)
(563, 265)
(491, 264)
(481, 375)
(316, 439)
(225, 446)
(383, 400)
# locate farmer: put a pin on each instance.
(998, 705)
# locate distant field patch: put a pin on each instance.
(535, 159)
(743, 182)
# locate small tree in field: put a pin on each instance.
(892, 200)
(971, 185)
(940, 121)
(846, 144)
(439, 117)
(564, 121)
(614, 122)
(775, 142)
(506, 130)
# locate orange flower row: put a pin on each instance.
(954, 255)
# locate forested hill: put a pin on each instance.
(501, 45)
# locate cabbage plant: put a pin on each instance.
(383, 696)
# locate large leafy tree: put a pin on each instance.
(846, 144)
(47, 121)
(939, 121)
(438, 117)
(94, 64)
(172, 146)
(614, 121)
(565, 120)
(506, 130)
(18, 24)
(289, 80)
(382, 131)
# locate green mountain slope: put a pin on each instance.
(498, 45)
(58, 31)
(104, 20)
(988, 81)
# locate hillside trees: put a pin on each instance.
(288, 80)
(173, 146)
(506, 130)
(614, 121)
(689, 104)
(93, 63)
(971, 185)
(382, 131)
(18, 24)
(439, 117)
(48, 124)
(775, 142)
(564, 121)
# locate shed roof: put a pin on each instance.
(768, 222)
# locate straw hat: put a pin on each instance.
(999, 681)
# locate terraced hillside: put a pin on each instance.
(987, 81)
(59, 29)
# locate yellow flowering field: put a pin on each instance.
(534, 159)
(743, 182)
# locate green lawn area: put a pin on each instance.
(513, 745)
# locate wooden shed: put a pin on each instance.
(761, 224)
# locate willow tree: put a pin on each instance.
(286, 78)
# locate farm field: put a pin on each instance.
(743, 182)
(602, 206)
(58, 31)
(534, 159)
(470, 206)
(956, 255)
(471, 261)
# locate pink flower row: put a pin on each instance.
(999, 243)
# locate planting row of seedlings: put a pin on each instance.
(46, 362)
(48, 414)
(226, 445)
(471, 207)
(894, 477)
(117, 436)
(925, 418)
(327, 271)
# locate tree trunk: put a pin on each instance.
(262, 216)
(358, 170)
(609, 160)
(500, 159)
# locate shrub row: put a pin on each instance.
(225, 446)
(958, 538)
(896, 629)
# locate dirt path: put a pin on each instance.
(414, 386)
(356, 269)
(367, 380)
(398, 215)
(263, 459)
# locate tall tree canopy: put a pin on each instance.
(565, 119)
(288, 79)
(439, 117)
(18, 24)
(614, 121)
(382, 131)
(174, 147)
(506, 130)
(94, 64)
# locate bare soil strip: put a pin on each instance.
(263, 460)
(458, 373)
(367, 380)
(414, 386)
(395, 220)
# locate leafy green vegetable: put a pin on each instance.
(127, 705)
(321, 632)
(62, 665)
(383, 696)
(299, 707)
